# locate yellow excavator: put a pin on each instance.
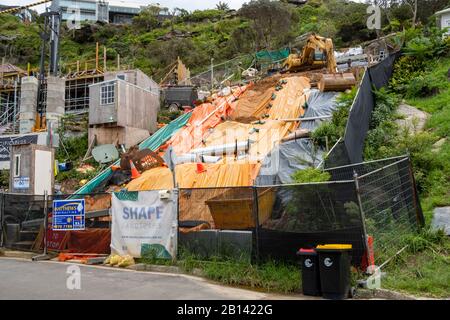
(318, 53)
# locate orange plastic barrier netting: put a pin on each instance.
(93, 240)
(204, 117)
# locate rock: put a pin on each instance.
(441, 219)
(437, 146)
(414, 118)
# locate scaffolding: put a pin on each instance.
(10, 76)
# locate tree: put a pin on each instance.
(147, 18)
(222, 6)
(270, 19)
(412, 4)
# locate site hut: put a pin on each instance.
(32, 169)
(123, 108)
(443, 20)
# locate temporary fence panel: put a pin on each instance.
(217, 221)
(221, 74)
(347, 172)
(22, 216)
(391, 207)
(153, 143)
(144, 223)
(306, 215)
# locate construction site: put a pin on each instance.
(220, 178)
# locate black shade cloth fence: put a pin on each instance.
(350, 150)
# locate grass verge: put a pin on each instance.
(423, 268)
(269, 276)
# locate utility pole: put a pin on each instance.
(55, 26)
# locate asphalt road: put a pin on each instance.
(24, 279)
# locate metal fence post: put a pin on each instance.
(362, 215)
(45, 220)
(2, 217)
(255, 211)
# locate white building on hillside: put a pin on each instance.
(109, 11)
(443, 20)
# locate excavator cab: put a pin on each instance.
(317, 53)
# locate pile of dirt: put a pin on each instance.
(252, 104)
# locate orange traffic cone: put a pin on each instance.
(134, 172)
(200, 168)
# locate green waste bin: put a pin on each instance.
(334, 266)
(310, 272)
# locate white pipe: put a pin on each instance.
(223, 149)
(192, 157)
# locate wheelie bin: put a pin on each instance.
(310, 272)
(334, 266)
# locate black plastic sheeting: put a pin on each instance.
(377, 77)
(358, 120)
(290, 156)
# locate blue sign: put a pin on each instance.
(68, 215)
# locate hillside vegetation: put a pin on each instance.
(200, 35)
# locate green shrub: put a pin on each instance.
(424, 85)
(335, 129)
(429, 45)
(310, 175)
(406, 68)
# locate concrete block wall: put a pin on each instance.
(56, 91)
(28, 104)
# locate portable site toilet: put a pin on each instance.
(32, 169)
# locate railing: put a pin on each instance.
(9, 119)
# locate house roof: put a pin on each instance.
(10, 68)
(442, 12)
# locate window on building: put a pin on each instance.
(107, 93)
(17, 165)
(121, 77)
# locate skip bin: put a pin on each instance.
(310, 272)
(334, 266)
(233, 209)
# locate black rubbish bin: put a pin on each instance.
(334, 266)
(310, 272)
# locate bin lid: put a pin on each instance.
(309, 252)
(303, 250)
(334, 247)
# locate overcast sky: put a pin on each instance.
(186, 4)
